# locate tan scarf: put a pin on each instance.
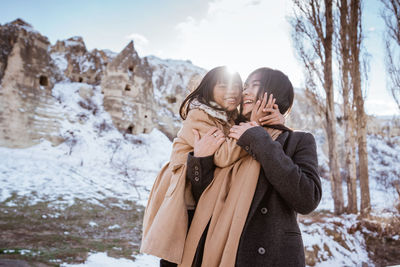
(226, 201)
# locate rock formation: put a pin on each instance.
(27, 76)
(76, 63)
(128, 92)
(139, 93)
(173, 80)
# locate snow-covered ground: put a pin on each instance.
(101, 259)
(96, 161)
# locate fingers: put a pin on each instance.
(264, 101)
(271, 110)
(212, 130)
(233, 135)
(271, 102)
(220, 141)
(270, 122)
(254, 111)
(196, 135)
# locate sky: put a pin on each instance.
(243, 34)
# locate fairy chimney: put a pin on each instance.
(27, 76)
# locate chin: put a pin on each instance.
(247, 115)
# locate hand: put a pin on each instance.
(274, 117)
(237, 130)
(209, 143)
(260, 108)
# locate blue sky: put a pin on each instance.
(244, 34)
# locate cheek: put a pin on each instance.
(218, 97)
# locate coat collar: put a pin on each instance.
(213, 112)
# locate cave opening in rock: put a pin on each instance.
(144, 130)
(80, 79)
(43, 80)
(145, 116)
(171, 99)
(129, 130)
(127, 87)
(130, 68)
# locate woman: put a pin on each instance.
(211, 110)
(288, 181)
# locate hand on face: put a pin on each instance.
(267, 112)
(209, 143)
(263, 112)
(237, 130)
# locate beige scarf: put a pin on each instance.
(226, 201)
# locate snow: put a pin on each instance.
(349, 252)
(90, 163)
(60, 61)
(102, 260)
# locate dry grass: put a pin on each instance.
(51, 234)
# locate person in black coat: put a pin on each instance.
(288, 182)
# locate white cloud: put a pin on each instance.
(140, 42)
(244, 34)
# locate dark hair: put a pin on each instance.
(204, 92)
(277, 83)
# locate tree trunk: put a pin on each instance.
(348, 111)
(361, 120)
(336, 181)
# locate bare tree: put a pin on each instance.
(344, 58)
(391, 16)
(356, 38)
(312, 35)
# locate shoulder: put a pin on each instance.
(302, 135)
(302, 139)
(198, 114)
(198, 118)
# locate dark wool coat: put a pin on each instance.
(288, 184)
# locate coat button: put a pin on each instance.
(196, 173)
(196, 168)
(246, 148)
(196, 178)
(264, 210)
(261, 250)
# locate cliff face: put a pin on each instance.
(140, 94)
(27, 75)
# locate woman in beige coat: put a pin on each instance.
(210, 109)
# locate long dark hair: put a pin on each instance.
(204, 92)
(277, 83)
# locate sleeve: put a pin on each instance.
(296, 179)
(228, 153)
(200, 173)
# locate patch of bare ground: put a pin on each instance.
(48, 234)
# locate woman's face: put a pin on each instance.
(250, 91)
(227, 95)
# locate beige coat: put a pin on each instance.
(226, 200)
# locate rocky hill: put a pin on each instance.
(140, 93)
